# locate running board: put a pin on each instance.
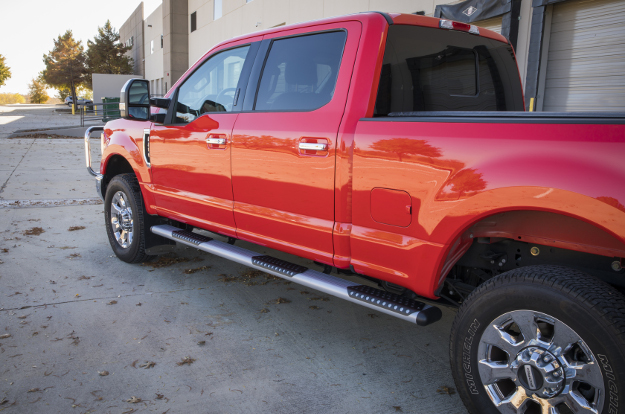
(382, 301)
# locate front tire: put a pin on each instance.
(540, 340)
(124, 217)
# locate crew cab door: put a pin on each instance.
(190, 153)
(283, 143)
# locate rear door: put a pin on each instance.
(284, 141)
(190, 153)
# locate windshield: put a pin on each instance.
(427, 69)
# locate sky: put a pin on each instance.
(28, 29)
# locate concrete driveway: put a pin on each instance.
(81, 331)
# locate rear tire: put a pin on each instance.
(540, 336)
(124, 217)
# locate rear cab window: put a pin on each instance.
(429, 70)
(300, 72)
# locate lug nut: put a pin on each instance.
(556, 374)
(547, 358)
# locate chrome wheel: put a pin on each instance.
(121, 219)
(530, 362)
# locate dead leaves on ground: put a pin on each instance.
(76, 228)
(147, 364)
(113, 302)
(195, 270)
(103, 373)
(278, 301)
(35, 231)
(186, 361)
(443, 389)
(134, 400)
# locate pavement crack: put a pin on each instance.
(13, 172)
(101, 298)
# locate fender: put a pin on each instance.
(124, 138)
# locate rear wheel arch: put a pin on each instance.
(547, 230)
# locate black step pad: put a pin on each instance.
(386, 300)
(189, 236)
(278, 265)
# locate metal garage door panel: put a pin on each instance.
(586, 60)
(493, 24)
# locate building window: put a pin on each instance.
(217, 11)
(193, 21)
(161, 41)
(151, 47)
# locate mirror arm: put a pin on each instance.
(160, 102)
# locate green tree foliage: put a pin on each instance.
(5, 71)
(105, 54)
(11, 98)
(65, 64)
(37, 90)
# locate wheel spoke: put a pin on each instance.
(118, 210)
(563, 336)
(588, 373)
(493, 335)
(547, 408)
(527, 324)
(491, 371)
(576, 403)
(513, 404)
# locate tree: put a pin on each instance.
(5, 71)
(11, 98)
(65, 64)
(105, 54)
(37, 90)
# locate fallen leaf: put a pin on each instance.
(134, 400)
(397, 409)
(314, 307)
(103, 373)
(34, 390)
(75, 228)
(148, 364)
(201, 343)
(264, 310)
(186, 361)
(446, 390)
(373, 315)
(4, 336)
(35, 231)
(112, 302)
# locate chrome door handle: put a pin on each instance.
(216, 141)
(313, 146)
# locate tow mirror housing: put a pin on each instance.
(134, 101)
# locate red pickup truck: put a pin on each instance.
(395, 147)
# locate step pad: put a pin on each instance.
(191, 237)
(278, 265)
(386, 300)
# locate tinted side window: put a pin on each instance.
(426, 69)
(212, 87)
(300, 72)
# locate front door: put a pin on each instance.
(190, 153)
(283, 143)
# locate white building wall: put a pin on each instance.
(153, 30)
(241, 18)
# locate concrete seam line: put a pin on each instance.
(13, 172)
(49, 203)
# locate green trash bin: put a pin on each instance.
(111, 109)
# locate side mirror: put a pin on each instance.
(134, 101)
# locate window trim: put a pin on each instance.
(241, 84)
(259, 68)
(193, 22)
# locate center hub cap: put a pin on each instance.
(539, 372)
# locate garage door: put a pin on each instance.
(586, 57)
(493, 24)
